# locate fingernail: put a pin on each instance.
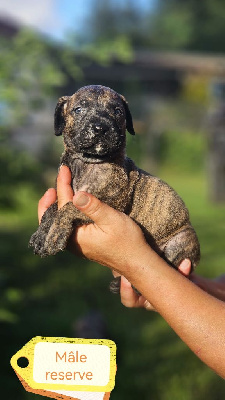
(81, 199)
(186, 262)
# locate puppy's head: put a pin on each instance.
(93, 122)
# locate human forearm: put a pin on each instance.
(197, 317)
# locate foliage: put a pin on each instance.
(27, 76)
(182, 148)
(167, 25)
(106, 49)
(109, 20)
(207, 20)
(17, 168)
(170, 27)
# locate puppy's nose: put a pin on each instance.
(98, 128)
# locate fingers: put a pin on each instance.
(128, 297)
(64, 189)
(131, 299)
(148, 306)
(45, 202)
(185, 267)
(64, 192)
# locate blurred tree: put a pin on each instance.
(166, 25)
(28, 75)
(109, 20)
(170, 26)
(189, 25)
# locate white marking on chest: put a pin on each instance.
(98, 148)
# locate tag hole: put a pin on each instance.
(23, 362)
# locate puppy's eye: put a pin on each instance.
(77, 110)
(118, 111)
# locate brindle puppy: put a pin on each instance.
(93, 123)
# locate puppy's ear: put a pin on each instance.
(129, 121)
(59, 117)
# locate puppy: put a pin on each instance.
(93, 122)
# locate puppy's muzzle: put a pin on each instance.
(96, 133)
(99, 137)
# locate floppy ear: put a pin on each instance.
(129, 121)
(59, 117)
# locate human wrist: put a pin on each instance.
(140, 264)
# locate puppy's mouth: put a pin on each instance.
(96, 158)
(102, 148)
(98, 153)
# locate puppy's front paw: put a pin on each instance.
(37, 243)
(56, 228)
(57, 239)
(61, 229)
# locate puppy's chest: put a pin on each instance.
(108, 182)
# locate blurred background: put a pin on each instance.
(168, 58)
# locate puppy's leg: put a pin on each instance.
(37, 240)
(66, 219)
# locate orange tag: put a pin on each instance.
(64, 368)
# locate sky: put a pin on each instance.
(52, 17)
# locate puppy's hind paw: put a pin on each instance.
(114, 285)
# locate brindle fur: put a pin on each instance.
(93, 123)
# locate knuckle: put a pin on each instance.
(98, 211)
(95, 208)
(127, 303)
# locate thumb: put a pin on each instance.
(93, 208)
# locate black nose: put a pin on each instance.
(98, 128)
